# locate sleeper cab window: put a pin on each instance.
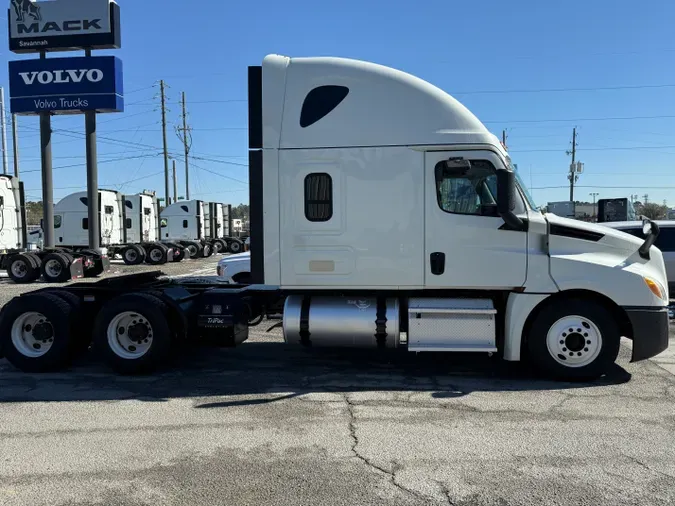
(320, 102)
(464, 187)
(57, 221)
(318, 197)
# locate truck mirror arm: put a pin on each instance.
(506, 190)
(652, 235)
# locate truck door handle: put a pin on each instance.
(437, 261)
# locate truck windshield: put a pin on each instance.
(521, 184)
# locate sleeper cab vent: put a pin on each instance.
(320, 102)
(575, 233)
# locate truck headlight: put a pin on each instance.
(656, 288)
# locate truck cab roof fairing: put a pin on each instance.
(374, 106)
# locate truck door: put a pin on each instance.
(467, 244)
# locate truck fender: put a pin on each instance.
(519, 307)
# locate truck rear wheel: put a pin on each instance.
(132, 333)
(82, 332)
(133, 255)
(156, 254)
(207, 251)
(193, 249)
(56, 267)
(179, 254)
(36, 332)
(220, 246)
(574, 340)
(22, 269)
(236, 247)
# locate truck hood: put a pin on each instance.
(601, 259)
(584, 232)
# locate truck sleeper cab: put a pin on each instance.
(384, 214)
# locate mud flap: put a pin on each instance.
(77, 269)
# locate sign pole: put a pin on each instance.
(93, 213)
(47, 179)
(3, 125)
(15, 143)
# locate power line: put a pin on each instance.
(219, 174)
(581, 119)
(102, 161)
(556, 90)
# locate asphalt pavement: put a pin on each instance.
(270, 424)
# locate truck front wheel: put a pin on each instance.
(574, 340)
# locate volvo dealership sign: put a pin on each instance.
(63, 25)
(66, 85)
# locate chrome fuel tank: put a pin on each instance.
(341, 321)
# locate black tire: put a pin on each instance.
(156, 254)
(236, 247)
(59, 314)
(220, 246)
(193, 250)
(157, 315)
(85, 318)
(583, 340)
(243, 278)
(207, 251)
(37, 264)
(56, 267)
(22, 270)
(179, 255)
(133, 255)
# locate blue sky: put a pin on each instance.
(501, 59)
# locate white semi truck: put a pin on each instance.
(203, 228)
(128, 227)
(383, 215)
(25, 266)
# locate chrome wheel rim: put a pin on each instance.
(129, 335)
(131, 255)
(19, 269)
(53, 268)
(574, 341)
(32, 334)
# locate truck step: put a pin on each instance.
(460, 324)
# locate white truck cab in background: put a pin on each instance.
(381, 203)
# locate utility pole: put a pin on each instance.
(3, 127)
(185, 136)
(15, 142)
(47, 175)
(645, 197)
(573, 174)
(594, 194)
(166, 152)
(175, 183)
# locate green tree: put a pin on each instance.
(653, 211)
(240, 212)
(33, 213)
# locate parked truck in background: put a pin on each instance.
(24, 265)
(128, 227)
(218, 224)
(383, 215)
(621, 209)
(563, 208)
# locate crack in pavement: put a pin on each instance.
(645, 466)
(355, 442)
(446, 493)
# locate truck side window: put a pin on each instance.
(163, 223)
(57, 221)
(467, 190)
(185, 223)
(85, 223)
(318, 197)
(320, 101)
(128, 222)
(109, 209)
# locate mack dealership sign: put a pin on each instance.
(66, 85)
(63, 25)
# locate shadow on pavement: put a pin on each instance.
(281, 372)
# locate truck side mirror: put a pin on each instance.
(506, 198)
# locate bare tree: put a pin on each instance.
(653, 211)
